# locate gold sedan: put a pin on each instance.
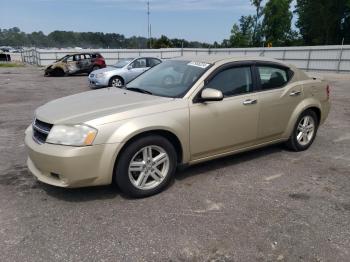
(178, 113)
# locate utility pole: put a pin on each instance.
(148, 25)
(150, 34)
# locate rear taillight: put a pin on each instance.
(328, 91)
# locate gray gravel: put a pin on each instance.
(266, 205)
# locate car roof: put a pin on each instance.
(85, 53)
(217, 59)
(134, 58)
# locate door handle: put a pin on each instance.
(295, 93)
(250, 102)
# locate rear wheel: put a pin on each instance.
(116, 81)
(146, 166)
(304, 132)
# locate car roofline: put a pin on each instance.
(222, 60)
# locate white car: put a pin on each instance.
(122, 72)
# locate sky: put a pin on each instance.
(195, 20)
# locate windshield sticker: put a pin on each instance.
(199, 64)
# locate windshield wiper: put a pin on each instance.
(140, 90)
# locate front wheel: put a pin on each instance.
(146, 166)
(304, 132)
(116, 81)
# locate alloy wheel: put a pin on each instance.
(117, 82)
(306, 130)
(149, 167)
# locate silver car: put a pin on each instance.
(122, 72)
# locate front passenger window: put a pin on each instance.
(233, 81)
(272, 77)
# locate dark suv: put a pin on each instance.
(76, 64)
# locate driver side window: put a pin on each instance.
(233, 81)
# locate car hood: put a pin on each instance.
(52, 64)
(107, 69)
(97, 104)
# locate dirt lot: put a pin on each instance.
(266, 205)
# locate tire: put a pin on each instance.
(58, 72)
(116, 81)
(141, 179)
(304, 133)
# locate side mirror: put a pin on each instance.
(129, 67)
(210, 94)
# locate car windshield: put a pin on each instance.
(63, 58)
(171, 78)
(121, 63)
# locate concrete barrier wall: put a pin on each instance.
(315, 58)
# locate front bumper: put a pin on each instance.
(98, 82)
(71, 167)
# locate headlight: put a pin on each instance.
(100, 75)
(77, 135)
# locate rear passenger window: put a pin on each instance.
(153, 62)
(233, 81)
(272, 77)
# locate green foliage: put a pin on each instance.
(163, 42)
(324, 22)
(61, 39)
(320, 22)
(257, 34)
(11, 65)
(242, 34)
(277, 22)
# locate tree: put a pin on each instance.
(323, 22)
(257, 34)
(277, 21)
(242, 34)
(163, 42)
(14, 37)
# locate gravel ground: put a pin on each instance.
(265, 205)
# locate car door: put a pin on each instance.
(230, 124)
(72, 64)
(86, 65)
(278, 95)
(137, 68)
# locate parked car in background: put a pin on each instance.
(122, 72)
(4, 57)
(137, 136)
(9, 49)
(76, 64)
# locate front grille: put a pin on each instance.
(40, 131)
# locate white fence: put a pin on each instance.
(315, 58)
